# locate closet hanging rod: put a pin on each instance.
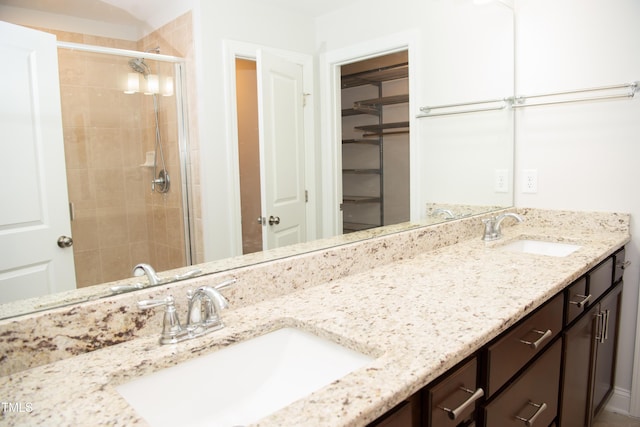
(426, 111)
(519, 102)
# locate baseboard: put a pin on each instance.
(620, 401)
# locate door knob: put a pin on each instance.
(274, 220)
(65, 241)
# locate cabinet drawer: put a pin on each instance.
(452, 393)
(406, 414)
(400, 416)
(524, 340)
(534, 392)
(576, 299)
(618, 270)
(600, 279)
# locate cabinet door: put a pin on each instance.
(606, 356)
(579, 350)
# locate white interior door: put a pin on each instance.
(33, 189)
(280, 112)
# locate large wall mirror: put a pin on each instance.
(456, 163)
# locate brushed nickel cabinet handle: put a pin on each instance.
(585, 300)
(600, 327)
(529, 421)
(606, 324)
(475, 395)
(623, 264)
(535, 344)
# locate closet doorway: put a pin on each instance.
(375, 142)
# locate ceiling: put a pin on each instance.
(135, 12)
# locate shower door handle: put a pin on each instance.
(65, 241)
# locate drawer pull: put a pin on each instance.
(582, 303)
(535, 344)
(529, 422)
(623, 265)
(475, 395)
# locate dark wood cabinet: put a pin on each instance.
(556, 367)
(532, 397)
(590, 350)
(510, 353)
(407, 414)
(576, 300)
(578, 345)
(452, 401)
(606, 340)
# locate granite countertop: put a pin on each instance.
(417, 317)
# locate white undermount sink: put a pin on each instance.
(241, 383)
(540, 247)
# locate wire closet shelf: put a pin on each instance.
(540, 99)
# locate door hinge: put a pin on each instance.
(341, 206)
(304, 99)
(306, 196)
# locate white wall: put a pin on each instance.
(464, 53)
(586, 154)
(245, 21)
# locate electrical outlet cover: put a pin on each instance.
(530, 181)
(501, 181)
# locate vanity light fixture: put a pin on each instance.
(167, 86)
(133, 83)
(153, 84)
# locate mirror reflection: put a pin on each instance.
(445, 167)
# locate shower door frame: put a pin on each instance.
(183, 128)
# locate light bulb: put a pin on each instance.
(167, 86)
(153, 84)
(133, 83)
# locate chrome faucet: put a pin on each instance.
(142, 269)
(145, 269)
(492, 225)
(205, 305)
(448, 214)
(203, 315)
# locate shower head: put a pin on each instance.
(138, 65)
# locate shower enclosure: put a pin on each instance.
(126, 150)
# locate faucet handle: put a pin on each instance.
(188, 275)
(226, 284)
(171, 328)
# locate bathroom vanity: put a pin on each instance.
(510, 332)
(554, 367)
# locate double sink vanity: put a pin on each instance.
(426, 327)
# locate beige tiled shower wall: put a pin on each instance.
(176, 39)
(118, 221)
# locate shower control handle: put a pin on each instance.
(65, 241)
